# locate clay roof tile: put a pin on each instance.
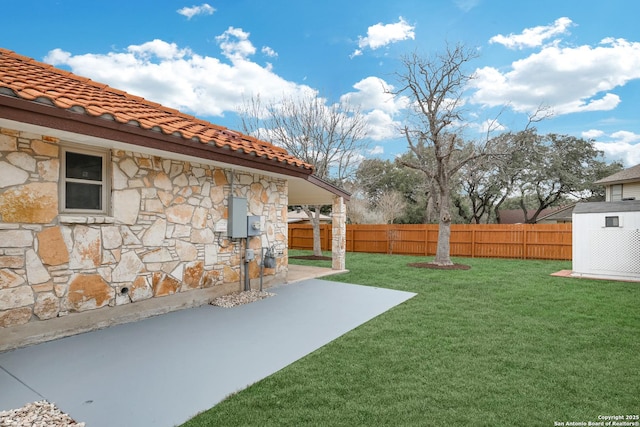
(35, 81)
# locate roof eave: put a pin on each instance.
(330, 187)
(617, 181)
(39, 114)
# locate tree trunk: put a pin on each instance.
(314, 217)
(444, 229)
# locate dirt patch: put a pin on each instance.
(312, 257)
(439, 267)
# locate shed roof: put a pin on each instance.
(631, 174)
(42, 96)
(607, 207)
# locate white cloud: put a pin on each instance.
(374, 93)
(57, 57)
(235, 44)
(568, 80)
(623, 146)
(373, 96)
(355, 53)
(269, 52)
(490, 127)
(626, 137)
(190, 12)
(380, 35)
(381, 126)
(176, 77)
(533, 37)
(159, 49)
(628, 154)
(592, 134)
(378, 149)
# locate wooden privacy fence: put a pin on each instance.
(524, 241)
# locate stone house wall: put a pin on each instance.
(159, 238)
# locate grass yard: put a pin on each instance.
(501, 344)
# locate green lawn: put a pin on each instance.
(501, 344)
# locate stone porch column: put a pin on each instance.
(339, 230)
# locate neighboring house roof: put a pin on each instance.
(561, 214)
(39, 94)
(516, 216)
(295, 216)
(631, 174)
(606, 207)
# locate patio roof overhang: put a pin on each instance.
(304, 187)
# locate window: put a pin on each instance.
(611, 221)
(616, 192)
(83, 182)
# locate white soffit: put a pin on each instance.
(302, 192)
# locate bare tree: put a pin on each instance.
(359, 211)
(329, 137)
(391, 204)
(435, 86)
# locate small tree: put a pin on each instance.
(331, 138)
(391, 204)
(375, 177)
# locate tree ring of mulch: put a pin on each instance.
(312, 257)
(434, 266)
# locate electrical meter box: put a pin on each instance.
(237, 221)
(254, 225)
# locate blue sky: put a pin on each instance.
(580, 59)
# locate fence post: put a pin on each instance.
(327, 237)
(426, 241)
(524, 242)
(473, 243)
(388, 231)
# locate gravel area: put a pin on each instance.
(37, 414)
(232, 300)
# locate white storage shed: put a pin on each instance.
(606, 240)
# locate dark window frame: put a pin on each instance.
(611, 221)
(103, 182)
(618, 197)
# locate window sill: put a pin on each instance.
(86, 219)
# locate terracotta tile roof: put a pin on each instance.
(629, 174)
(26, 78)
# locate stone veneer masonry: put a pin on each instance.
(159, 240)
(339, 233)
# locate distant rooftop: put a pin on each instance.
(607, 207)
(629, 174)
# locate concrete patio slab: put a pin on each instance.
(13, 393)
(60, 327)
(163, 370)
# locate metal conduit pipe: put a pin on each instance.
(247, 279)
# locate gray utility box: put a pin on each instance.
(237, 222)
